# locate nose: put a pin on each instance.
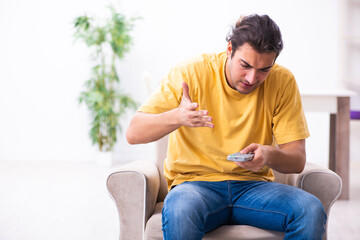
(251, 76)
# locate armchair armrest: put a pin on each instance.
(134, 188)
(321, 182)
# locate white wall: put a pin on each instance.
(42, 70)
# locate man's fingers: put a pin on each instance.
(191, 116)
(186, 94)
(200, 115)
(201, 121)
(251, 148)
(194, 106)
(202, 124)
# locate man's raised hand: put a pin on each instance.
(187, 113)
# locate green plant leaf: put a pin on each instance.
(101, 93)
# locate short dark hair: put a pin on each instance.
(261, 32)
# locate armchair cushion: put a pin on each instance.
(228, 232)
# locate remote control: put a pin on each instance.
(240, 157)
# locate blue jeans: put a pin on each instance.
(192, 209)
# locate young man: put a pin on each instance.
(218, 104)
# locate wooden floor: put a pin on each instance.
(70, 201)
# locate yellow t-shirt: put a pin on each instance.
(271, 112)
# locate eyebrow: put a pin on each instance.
(248, 65)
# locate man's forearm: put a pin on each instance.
(288, 158)
(146, 127)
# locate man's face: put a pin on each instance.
(247, 69)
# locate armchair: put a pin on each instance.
(139, 189)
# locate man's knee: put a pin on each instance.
(182, 214)
(184, 202)
(312, 210)
(316, 212)
(309, 217)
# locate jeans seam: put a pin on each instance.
(260, 210)
(229, 193)
(267, 211)
(215, 212)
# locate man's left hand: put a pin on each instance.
(261, 154)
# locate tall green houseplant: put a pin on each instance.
(102, 95)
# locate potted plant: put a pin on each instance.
(102, 95)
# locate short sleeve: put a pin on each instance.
(289, 122)
(167, 95)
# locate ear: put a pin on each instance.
(229, 49)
